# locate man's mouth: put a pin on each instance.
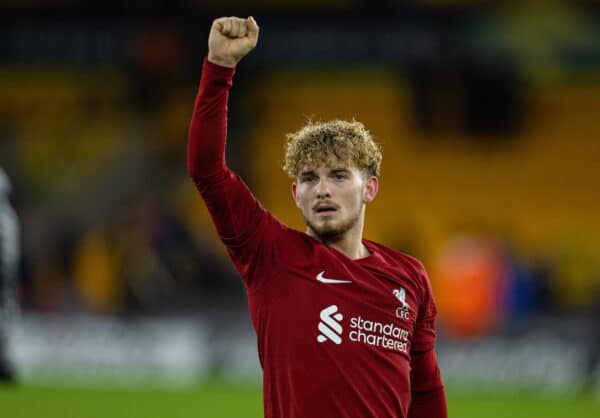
(325, 209)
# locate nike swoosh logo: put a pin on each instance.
(323, 279)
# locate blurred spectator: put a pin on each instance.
(156, 66)
(9, 260)
(469, 281)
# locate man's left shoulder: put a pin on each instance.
(399, 258)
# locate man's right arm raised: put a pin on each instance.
(229, 41)
(235, 212)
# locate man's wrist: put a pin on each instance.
(221, 62)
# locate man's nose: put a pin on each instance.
(322, 189)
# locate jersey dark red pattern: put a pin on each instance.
(337, 337)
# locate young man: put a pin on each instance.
(345, 326)
(9, 254)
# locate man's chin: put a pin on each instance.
(327, 231)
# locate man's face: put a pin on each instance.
(332, 199)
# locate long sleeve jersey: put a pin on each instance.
(337, 337)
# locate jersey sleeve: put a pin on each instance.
(428, 396)
(425, 334)
(243, 225)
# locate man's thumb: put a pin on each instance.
(252, 28)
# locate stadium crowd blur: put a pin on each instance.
(487, 112)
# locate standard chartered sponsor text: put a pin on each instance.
(379, 335)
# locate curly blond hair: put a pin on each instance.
(332, 143)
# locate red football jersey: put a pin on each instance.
(335, 335)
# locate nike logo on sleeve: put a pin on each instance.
(324, 279)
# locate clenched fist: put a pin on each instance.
(230, 39)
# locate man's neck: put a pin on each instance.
(353, 251)
(349, 243)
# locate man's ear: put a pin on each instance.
(295, 193)
(371, 189)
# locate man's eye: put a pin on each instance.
(340, 176)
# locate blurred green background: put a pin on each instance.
(233, 401)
